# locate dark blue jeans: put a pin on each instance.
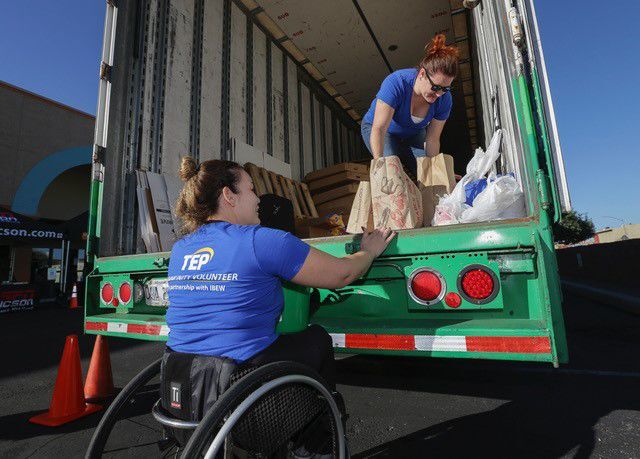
(407, 149)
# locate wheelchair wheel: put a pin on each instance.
(111, 415)
(268, 412)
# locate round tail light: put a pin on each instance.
(478, 284)
(427, 286)
(106, 293)
(124, 292)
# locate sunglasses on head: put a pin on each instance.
(436, 87)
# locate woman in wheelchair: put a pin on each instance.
(225, 292)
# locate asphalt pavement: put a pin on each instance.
(399, 407)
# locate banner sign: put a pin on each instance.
(14, 298)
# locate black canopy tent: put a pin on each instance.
(18, 228)
(19, 231)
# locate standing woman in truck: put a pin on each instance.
(225, 274)
(408, 114)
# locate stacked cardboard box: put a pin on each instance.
(157, 222)
(334, 188)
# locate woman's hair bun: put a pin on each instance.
(437, 47)
(188, 168)
(436, 44)
(438, 57)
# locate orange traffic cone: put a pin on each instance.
(99, 383)
(73, 301)
(68, 401)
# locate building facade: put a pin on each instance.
(45, 157)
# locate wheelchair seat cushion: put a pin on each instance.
(191, 383)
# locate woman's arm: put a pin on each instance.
(434, 131)
(322, 270)
(381, 121)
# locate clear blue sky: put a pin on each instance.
(593, 60)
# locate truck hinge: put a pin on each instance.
(544, 189)
(97, 169)
(105, 71)
(515, 25)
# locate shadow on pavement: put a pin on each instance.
(18, 427)
(39, 336)
(548, 413)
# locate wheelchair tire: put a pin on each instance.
(227, 404)
(103, 430)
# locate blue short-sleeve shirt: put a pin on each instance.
(396, 90)
(225, 291)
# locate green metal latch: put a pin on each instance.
(352, 247)
(544, 188)
(161, 262)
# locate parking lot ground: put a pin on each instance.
(399, 407)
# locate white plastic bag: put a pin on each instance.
(451, 207)
(501, 199)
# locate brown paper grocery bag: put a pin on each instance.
(396, 200)
(435, 179)
(361, 213)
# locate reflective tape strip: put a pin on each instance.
(338, 339)
(143, 329)
(433, 343)
(137, 329)
(98, 326)
(116, 327)
(441, 343)
(511, 344)
(390, 342)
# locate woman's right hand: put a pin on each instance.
(376, 241)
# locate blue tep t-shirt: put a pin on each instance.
(396, 90)
(225, 295)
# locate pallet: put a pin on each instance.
(336, 180)
(335, 169)
(265, 181)
(335, 193)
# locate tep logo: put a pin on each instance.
(198, 259)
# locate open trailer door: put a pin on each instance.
(552, 149)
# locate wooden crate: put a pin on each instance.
(265, 181)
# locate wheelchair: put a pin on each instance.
(266, 412)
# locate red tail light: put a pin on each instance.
(427, 286)
(124, 292)
(478, 284)
(106, 293)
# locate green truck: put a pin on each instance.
(186, 77)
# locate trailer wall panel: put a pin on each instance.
(211, 81)
(307, 145)
(319, 160)
(177, 103)
(148, 95)
(292, 101)
(237, 92)
(277, 104)
(329, 157)
(259, 89)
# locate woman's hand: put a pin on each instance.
(322, 270)
(376, 241)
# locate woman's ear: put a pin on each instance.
(229, 196)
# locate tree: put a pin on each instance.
(573, 227)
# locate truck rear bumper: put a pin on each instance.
(527, 348)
